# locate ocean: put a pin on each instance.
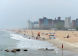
(10, 40)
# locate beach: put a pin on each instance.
(70, 43)
(12, 40)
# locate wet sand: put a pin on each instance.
(70, 43)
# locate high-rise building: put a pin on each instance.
(29, 24)
(35, 25)
(73, 23)
(59, 18)
(58, 23)
(77, 22)
(68, 22)
(45, 23)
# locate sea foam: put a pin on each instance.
(31, 43)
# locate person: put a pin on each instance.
(38, 35)
(68, 36)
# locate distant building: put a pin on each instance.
(58, 23)
(29, 24)
(45, 23)
(77, 22)
(73, 23)
(35, 25)
(58, 18)
(68, 22)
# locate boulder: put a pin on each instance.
(25, 50)
(46, 49)
(18, 50)
(15, 50)
(49, 49)
(7, 50)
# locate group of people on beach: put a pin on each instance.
(38, 36)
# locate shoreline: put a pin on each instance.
(57, 42)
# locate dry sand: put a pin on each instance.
(69, 43)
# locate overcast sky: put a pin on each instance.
(15, 13)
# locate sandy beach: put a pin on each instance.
(70, 43)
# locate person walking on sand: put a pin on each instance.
(38, 35)
(68, 36)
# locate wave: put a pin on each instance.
(31, 43)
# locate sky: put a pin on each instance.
(15, 13)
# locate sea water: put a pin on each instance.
(9, 40)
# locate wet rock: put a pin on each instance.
(13, 50)
(46, 49)
(7, 50)
(25, 50)
(18, 50)
(49, 49)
